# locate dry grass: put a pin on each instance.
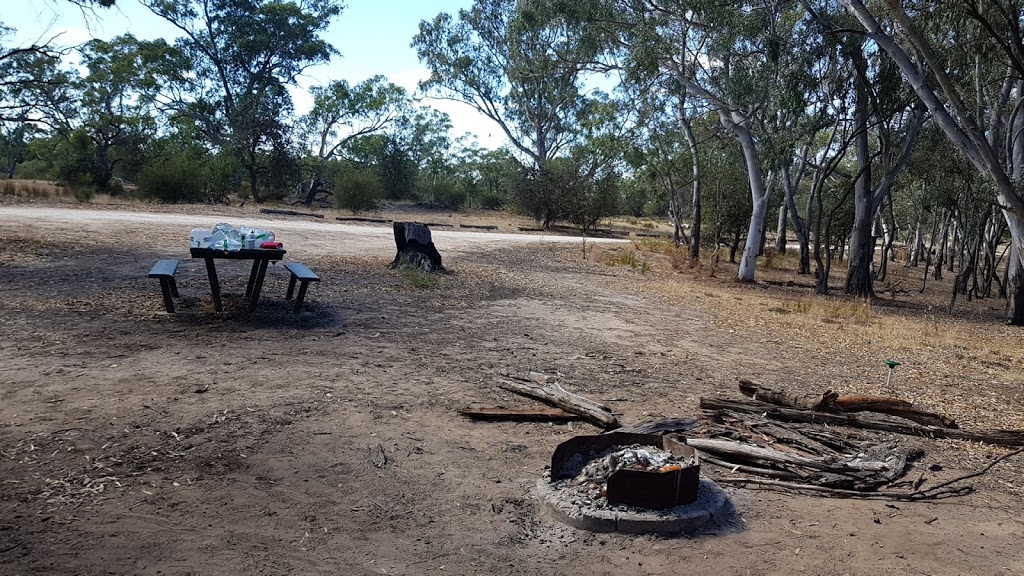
(35, 190)
(968, 365)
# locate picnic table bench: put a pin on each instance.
(164, 270)
(301, 273)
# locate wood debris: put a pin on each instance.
(547, 389)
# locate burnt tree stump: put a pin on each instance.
(415, 248)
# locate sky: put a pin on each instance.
(372, 36)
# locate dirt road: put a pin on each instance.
(304, 236)
(137, 442)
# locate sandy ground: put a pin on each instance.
(137, 442)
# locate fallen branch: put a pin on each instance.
(544, 388)
(768, 455)
(831, 401)
(998, 437)
(770, 472)
(546, 414)
(939, 490)
(930, 494)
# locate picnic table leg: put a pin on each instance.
(211, 271)
(255, 299)
(166, 287)
(252, 278)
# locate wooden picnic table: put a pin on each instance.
(260, 258)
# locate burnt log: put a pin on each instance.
(830, 401)
(415, 249)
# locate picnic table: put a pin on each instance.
(260, 258)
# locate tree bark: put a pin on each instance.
(858, 273)
(780, 230)
(695, 219)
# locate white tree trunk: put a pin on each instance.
(759, 194)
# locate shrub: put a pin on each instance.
(492, 201)
(451, 197)
(358, 190)
(174, 178)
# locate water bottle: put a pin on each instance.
(200, 238)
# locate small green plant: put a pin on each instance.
(420, 279)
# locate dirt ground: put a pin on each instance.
(138, 442)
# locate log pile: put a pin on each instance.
(821, 444)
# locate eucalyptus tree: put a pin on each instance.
(518, 63)
(115, 101)
(342, 113)
(984, 121)
(229, 70)
(749, 62)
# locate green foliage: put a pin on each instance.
(419, 279)
(396, 169)
(564, 190)
(230, 69)
(491, 201)
(443, 192)
(175, 177)
(357, 190)
(516, 63)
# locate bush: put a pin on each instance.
(357, 190)
(175, 178)
(450, 197)
(444, 192)
(492, 201)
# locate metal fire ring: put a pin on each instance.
(639, 488)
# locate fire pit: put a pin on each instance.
(626, 482)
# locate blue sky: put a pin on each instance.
(373, 37)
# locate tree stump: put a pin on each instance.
(415, 248)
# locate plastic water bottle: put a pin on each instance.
(200, 238)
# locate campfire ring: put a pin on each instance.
(672, 502)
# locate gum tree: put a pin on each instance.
(986, 124)
(229, 71)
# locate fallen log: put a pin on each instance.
(999, 437)
(831, 401)
(892, 407)
(495, 413)
(783, 398)
(361, 219)
(289, 213)
(552, 393)
(478, 226)
(660, 426)
(749, 452)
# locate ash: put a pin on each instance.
(588, 488)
